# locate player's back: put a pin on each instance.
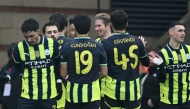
(123, 52)
(83, 59)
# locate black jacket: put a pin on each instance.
(15, 88)
(151, 90)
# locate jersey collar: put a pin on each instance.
(76, 38)
(116, 34)
(61, 35)
(41, 40)
(171, 49)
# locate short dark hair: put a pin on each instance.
(174, 23)
(51, 23)
(82, 23)
(119, 19)
(60, 19)
(70, 21)
(29, 25)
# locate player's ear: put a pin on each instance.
(38, 31)
(127, 24)
(109, 25)
(170, 31)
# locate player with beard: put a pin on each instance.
(50, 30)
(36, 56)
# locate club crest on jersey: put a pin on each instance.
(47, 52)
(188, 56)
(37, 54)
(60, 41)
(179, 57)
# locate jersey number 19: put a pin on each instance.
(80, 58)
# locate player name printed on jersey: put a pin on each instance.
(83, 45)
(124, 40)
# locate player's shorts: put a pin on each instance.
(175, 106)
(36, 104)
(119, 104)
(89, 105)
(61, 102)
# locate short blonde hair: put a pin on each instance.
(104, 17)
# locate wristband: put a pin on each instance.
(157, 61)
(59, 81)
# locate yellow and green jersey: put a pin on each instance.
(38, 81)
(83, 57)
(103, 81)
(124, 52)
(62, 40)
(176, 89)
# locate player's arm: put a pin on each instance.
(103, 63)
(56, 49)
(143, 54)
(63, 63)
(17, 67)
(56, 56)
(161, 69)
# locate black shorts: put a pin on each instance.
(111, 103)
(36, 104)
(175, 106)
(89, 105)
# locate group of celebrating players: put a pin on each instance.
(80, 73)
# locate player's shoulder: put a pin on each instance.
(107, 40)
(66, 38)
(97, 43)
(160, 51)
(98, 39)
(69, 43)
(48, 40)
(21, 44)
(164, 48)
(188, 46)
(137, 39)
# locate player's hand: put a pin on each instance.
(4, 79)
(59, 90)
(150, 103)
(152, 62)
(143, 40)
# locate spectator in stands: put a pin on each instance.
(150, 88)
(15, 84)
